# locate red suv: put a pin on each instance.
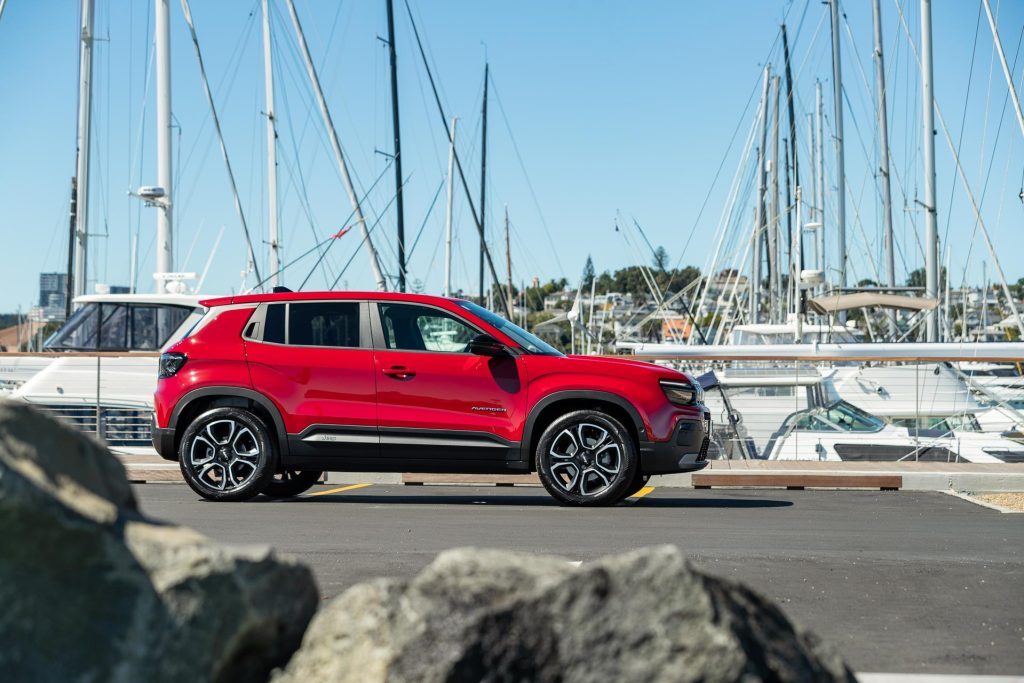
(268, 391)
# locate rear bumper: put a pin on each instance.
(163, 441)
(685, 451)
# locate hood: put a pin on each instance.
(614, 365)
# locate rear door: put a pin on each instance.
(314, 360)
(435, 400)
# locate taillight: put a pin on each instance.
(170, 363)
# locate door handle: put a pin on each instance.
(399, 372)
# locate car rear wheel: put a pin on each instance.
(226, 455)
(587, 457)
(288, 483)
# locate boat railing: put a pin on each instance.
(104, 393)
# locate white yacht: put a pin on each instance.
(798, 413)
(110, 395)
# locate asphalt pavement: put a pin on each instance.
(900, 581)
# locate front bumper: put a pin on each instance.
(163, 441)
(685, 451)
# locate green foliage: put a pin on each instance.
(917, 278)
(1018, 289)
(661, 259)
(588, 274)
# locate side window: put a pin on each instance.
(144, 328)
(419, 328)
(323, 323)
(273, 331)
(113, 327)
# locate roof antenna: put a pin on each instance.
(281, 289)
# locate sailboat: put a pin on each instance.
(881, 380)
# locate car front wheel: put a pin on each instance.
(587, 457)
(226, 455)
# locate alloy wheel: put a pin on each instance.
(224, 455)
(585, 459)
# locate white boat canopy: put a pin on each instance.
(844, 302)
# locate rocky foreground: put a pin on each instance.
(92, 590)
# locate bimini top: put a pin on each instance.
(844, 302)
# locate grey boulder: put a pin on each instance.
(92, 590)
(495, 616)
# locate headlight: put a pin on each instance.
(170, 363)
(682, 393)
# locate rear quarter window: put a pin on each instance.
(273, 330)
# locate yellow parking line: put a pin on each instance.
(350, 487)
(640, 494)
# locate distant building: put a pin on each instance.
(53, 294)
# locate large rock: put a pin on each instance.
(91, 590)
(495, 616)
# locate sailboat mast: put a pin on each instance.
(164, 216)
(268, 87)
(399, 206)
(80, 273)
(69, 284)
(837, 86)
(883, 148)
(820, 185)
(759, 205)
(790, 106)
(339, 155)
(508, 257)
(931, 240)
(774, 243)
(1006, 67)
(483, 182)
(448, 213)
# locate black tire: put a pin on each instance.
(588, 476)
(288, 483)
(639, 481)
(226, 454)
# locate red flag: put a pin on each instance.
(342, 232)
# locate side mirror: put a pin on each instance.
(486, 345)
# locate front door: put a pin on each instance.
(436, 401)
(314, 360)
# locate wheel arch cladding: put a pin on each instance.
(199, 401)
(549, 408)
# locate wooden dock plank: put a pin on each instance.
(885, 482)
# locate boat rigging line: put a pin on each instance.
(336, 145)
(967, 188)
(328, 240)
(220, 136)
(458, 162)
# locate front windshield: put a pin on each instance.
(528, 341)
(850, 418)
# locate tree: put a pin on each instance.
(588, 273)
(917, 278)
(1018, 289)
(661, 259)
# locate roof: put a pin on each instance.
(320, 296)
(191, 300)
(844, 302)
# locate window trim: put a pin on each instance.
(260, 316)
(380, 341)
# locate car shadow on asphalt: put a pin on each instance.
(531, 499)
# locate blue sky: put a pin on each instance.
(615, 108)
